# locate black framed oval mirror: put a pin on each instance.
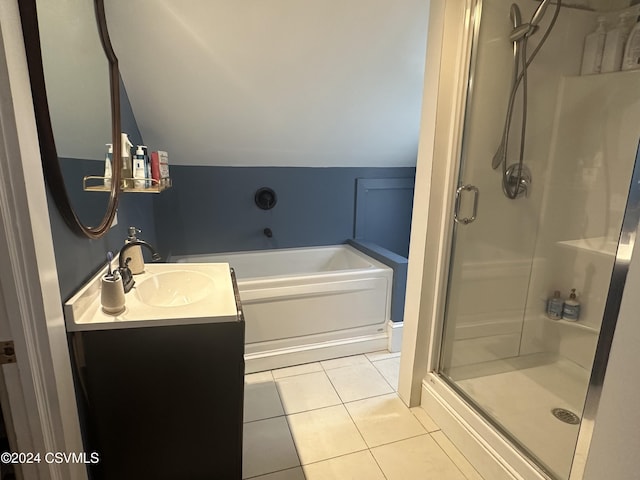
(75, 83)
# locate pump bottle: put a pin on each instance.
(139, 168)
(593, 49)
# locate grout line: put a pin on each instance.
(449, 456)
(295, 446)
(395, 389)
(402, 440)
(368, 449)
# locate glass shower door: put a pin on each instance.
(526, 373)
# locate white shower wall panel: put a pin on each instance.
(501, 242)
(597, 121)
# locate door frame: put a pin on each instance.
(40, 386)
(450, 38)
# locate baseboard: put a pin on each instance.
(394, 332)
(489, 453)
(287, 357)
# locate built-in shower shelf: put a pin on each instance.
(577, 325)
(599, 245)
(602, 76)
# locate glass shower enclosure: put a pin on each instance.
(538, 209)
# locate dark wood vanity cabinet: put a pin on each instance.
(164, 403)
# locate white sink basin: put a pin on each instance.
(175, 288)
(165, 294)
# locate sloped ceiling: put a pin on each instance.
(274, 82)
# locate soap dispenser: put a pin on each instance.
(554, 306)
(139, 167)
(593, 49)
(571, 309)
(136, 264)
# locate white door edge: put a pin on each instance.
(28, 279)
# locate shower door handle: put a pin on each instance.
(476, 192)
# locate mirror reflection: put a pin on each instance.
(76, 74)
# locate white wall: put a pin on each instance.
(275, 83)
(591, 155)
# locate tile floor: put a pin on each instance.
(342, 419)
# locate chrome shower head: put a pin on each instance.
(521, 30)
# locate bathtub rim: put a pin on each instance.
(374, 265)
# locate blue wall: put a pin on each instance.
(211, 209)
(79, 258)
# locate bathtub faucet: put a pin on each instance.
(267, 231)
(123, 262)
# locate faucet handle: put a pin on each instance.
(127, 276)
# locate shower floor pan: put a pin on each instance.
(521, 393)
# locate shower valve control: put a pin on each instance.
(456, 213)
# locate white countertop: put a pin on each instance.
(84, 312)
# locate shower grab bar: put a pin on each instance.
(476, 193)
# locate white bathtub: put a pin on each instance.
(308, 304)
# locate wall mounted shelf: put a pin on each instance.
(597, 245)
(155, 187)
(577, 325)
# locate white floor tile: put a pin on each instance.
(355, 466)
(261, 399)
(344, 362)
(291, 474)
(417, 458)
(390, 370)
(297, 370)
(325, 433)
(358, 381)
(454, 454)
(424, 418)
(267, 447)
(306, 392)
(384, 419)
(381, 355)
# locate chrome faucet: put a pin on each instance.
(123, 262)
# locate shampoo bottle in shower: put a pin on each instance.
(631, 59)
(593, 49)
(571, 308)
(554, 306)
(615, 43)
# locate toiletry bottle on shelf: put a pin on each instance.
(147, 168)
(571, 309)
(615, 44)
(107, 166)
(554, 306)
(593, 48)
(631, 59)
(136, 264)
(139, 168)
(127, 171)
